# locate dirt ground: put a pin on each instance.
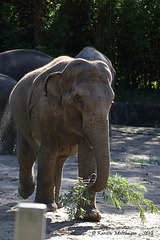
(135, 156)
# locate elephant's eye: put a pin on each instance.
(77, 99)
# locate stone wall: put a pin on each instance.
(135, 115)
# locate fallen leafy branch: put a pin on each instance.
(122, 193)
(76, 197)
(118, 189)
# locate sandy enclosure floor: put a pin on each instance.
(135, 155)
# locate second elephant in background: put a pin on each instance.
(16, 63)
(7, 138)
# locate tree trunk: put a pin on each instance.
(38, 21)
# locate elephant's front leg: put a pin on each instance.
(58, 178)
(87, 170)
(26, 158)
(45, 181)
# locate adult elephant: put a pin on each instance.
(90, 53)
(7, 143)
(16, 63)
(64, 110)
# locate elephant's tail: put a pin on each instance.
(7, 131)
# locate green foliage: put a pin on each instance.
(122, 193)
(127, 31)
(17, 27)
(118, 189)
(135, 49)
(76, 197)
(147, 161)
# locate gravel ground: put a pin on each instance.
(135, 156)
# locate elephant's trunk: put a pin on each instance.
(98, 136)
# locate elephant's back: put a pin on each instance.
(16, 63)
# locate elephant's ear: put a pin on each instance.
(51, 75)
(57, 74)
(43, 77)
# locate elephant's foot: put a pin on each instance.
(51, 207)
(26, 190)
(51, 204)
(92, 215)
(59, 205)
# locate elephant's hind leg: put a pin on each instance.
(26, 158)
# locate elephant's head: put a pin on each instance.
(86, 97)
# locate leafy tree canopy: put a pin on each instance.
(127, 31)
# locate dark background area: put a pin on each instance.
(126, 31)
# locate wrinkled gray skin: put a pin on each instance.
(64, 111)
(6, 85)
(90, 53)
(16, 63)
